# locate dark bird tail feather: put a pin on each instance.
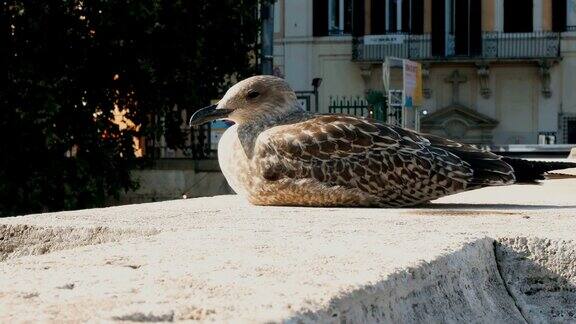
(491, 169)
(532, 171)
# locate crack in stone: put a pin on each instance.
(508, 291)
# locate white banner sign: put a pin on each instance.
(412, 84)
(383, 39)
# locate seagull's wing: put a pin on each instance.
(489, 169)
(354, 152)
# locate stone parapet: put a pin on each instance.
(502, 254)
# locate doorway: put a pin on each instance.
(571, 131)
(439, 28)
(467, 27)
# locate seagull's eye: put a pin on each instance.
(253, 94)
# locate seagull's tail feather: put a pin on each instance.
(489, 169)
(532, 171)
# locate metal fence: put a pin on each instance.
(496, 45)
(357, 106)
(172, 138)
(521, 45)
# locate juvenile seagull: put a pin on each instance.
(279, 154)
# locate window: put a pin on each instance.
(345, 17)
(518, 16)
(391, 16)
(339, 17)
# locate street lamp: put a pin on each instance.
(316, 82)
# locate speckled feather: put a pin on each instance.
(384, 165)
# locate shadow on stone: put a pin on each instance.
(468, 286)
(144, 318)
(541, 276)
(22, 240)
(495, 206)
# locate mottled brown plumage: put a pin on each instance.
(390, 166)
(279, 154)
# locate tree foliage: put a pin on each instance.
(70, 64)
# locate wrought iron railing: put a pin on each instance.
(495, 45)
(521, 45)
(357, 106)
(174, 139)
(397, 45)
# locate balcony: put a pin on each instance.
(495, 46)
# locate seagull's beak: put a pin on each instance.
(208, 114)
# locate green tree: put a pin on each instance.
(68, 65)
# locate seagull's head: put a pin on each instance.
(256, 98)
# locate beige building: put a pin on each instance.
(495, 71)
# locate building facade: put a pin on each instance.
(495, 71)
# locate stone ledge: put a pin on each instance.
(572, 155)
(500, 254)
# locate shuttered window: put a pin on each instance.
(332, 17)
(405, 15)
(343, 17)
(378, 17)
(358, 18)
(320, 18)
(392, 16)
(417, 19)
(411, 16)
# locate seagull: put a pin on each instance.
(277, 153)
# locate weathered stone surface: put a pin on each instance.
(572, 155)
(494, 255)
(541, 276)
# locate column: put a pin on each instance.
(448, 15)
(499, 15)
(331, 15)
(488, 15)
(537, 12)
(341, 15)
(399, 14)
(388, 14)
(571, 9)
(449, 46)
